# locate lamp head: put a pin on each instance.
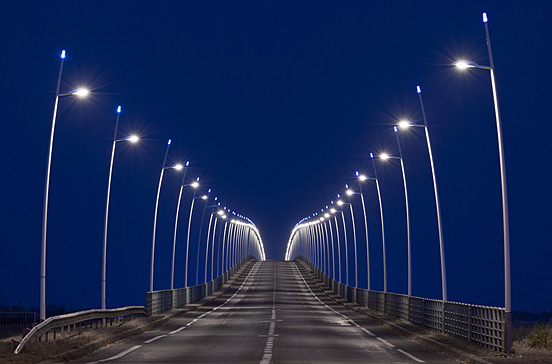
(81, 92)
(169, 142)
(178, 167)
(220, 212)
(195, 184)
(349, 192)
(204, 197)
(485, 17)
(340, 203)
(464, 64)
(63, 54)
(119, 109)
(333, 211)
(384, 156)
(418, 89)
(133, 138)
(404, 124)
(187, 163)
(326, 215)
(362, 177)
(372, 155)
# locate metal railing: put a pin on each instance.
(15, 322)
(76, 320)
(167, 299)
(483, 325)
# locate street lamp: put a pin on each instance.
(363, 178)
(505, 219)
(132, 139)
(204, 198)
(382, 224)
(406, 125)
(81, 93)
(340, 203)
(182, 185)
(195, 185)
(407, 209)
(177, 167)
(349, 193)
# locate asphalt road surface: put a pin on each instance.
(274, 313)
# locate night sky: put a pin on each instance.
(275, 104)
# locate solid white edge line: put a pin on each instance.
(385, 342)
(120, 355)
(177, 330)
(410, 356)
(154, 338)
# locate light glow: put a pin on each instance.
(326, 215)
(81, 92)
(340, 203)
(384, 156)
(349, 193)
(119, 109)
(463, 64)
(187, 163)
(63, 54)
(362, 177)
(133, 138)
(418, 89)
(484, 17)
(371, 155)
(169, 142)
(195, 184)
(333, 211)
(404, 124)
(220, 212)
(204, 197)
(178, 167)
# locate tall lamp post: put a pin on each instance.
(132, 139)
(182, 185)
(385, 156)
(349, 193)
(505, 219)
(382, 225)
(205, 198)
(407, 209)
(195, 185)
(404, 124)
(82, 92)
(362, 178)
(177, 167)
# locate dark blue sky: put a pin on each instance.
(275, 104)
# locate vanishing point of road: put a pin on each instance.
(273, 313)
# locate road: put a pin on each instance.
(274, 313)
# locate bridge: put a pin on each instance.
(316, 305)
(275, 312)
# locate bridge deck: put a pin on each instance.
(274, 314)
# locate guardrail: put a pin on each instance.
(76, 319)
(167, 299)
(483, 325)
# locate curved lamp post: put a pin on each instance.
(131, 139)
(362, 178)
(406, 125)
(177, 167)
(378, 189)
(182, 185)
(407, 209)
(195, 185)
(505, 217)
(349, 193)
(340, 204)
(82, 92)
(205, 198)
